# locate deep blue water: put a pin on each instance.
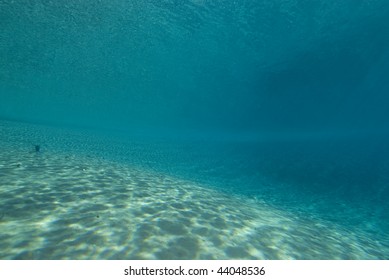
(241, 95)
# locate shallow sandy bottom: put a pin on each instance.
(59, 205)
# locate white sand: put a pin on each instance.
(60, 204)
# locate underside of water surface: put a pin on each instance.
(194, 129)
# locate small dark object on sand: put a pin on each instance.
(37, 148)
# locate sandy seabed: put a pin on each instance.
(61, 204)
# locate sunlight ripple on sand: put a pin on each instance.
(64, 205)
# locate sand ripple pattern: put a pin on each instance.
(55, 205)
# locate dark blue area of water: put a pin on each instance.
(239, 66)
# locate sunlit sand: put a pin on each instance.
(61, 204)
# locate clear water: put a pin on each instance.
(194, 129)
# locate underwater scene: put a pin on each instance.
(194, 129)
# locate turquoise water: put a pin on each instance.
(194, 129)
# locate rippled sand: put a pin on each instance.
(59, 204)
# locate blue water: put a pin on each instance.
(283, 102)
